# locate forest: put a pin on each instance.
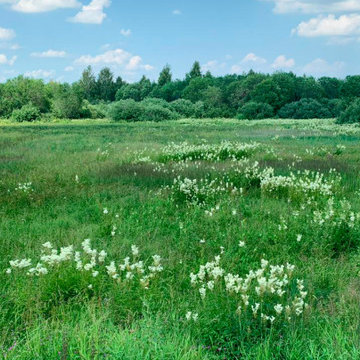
(250, 95)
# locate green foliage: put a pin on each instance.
(128, 110)
(351, 114)
(88, 84)
(253, 110)
(16, 93)
(165, 76)
(305, 109)
(195, 71)
(68, 102)
(28, 112)
(154, 112)
(194, 91)
(212, 96)
(183, 107)
(351, 87)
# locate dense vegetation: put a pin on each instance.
(247, 96)
(179, 240)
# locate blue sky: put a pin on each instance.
(56, 39)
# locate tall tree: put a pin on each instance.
(87, 84)
(165, 76)
(195, 71)
(106, 85)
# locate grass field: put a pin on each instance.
(269, 194)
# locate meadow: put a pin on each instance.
(188, 239)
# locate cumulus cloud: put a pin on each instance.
(40, 74)
(250, 61)
(117, 57)
(125, 33)
(4, 60)
(320, 67)
(92, 13)
(49, 54)
(281, 62)
(330, 25)
(37, 6)
(69, 68)
(252, 58)
(315, 6)
(6, 34)
(213, 66)
(177, 12)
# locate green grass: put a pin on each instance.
(58, 317)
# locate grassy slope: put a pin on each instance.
(64, 212)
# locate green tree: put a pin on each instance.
(195, 71)
(105, 85)
(351, 87)
(87, 84)
(165, 76)
(20, 91)
(194, 90)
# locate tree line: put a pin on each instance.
(250, 95)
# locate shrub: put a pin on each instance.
(91, 111)
(199, 110)
(28, 112)
(128, 110)
(67, 102)
(183, 107)
(255, 111)
(304, 109)
(156, 101)
(157, 113)
(351, 114)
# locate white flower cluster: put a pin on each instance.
(306, 183)
(336, 214)
(90, 260)
(196, 192)
(24, 187)
(218, 152)
(268, 291)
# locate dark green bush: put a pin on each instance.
(351, 114)
(28, 112)
(183, 107)
(91, 111)
(153, 112)
(156, 101)
(128, 110)
(304, 109)
(255, 111)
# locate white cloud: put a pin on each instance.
(281, 62)
(6, 34)
(252, 58)
(4, 60)
(40, 74)
(177, 12)
(49, 54)
(237, 69)
(125, 33)
(14, 47)
(37, 6)
(250, 61)
(330, 25)
(213, 66)
(92, 13)
(117, 57)
(320, 67)
(315, 6)
(69, 68)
